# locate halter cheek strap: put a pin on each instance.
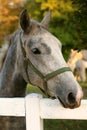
(46, 77)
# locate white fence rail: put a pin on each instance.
(35, 109)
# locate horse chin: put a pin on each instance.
(66, 105)
(70, 102)
(62, 103)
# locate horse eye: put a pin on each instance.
(36, 51)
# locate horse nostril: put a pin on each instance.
(71, 99)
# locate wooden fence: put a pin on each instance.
(35, 109)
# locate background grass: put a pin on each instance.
(56, 124)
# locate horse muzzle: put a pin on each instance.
(71, 100)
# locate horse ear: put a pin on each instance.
(72, 50)
(24, 21)
(46, 20)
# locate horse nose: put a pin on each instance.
(74, 100)
(71, 98)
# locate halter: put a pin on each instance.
(46, 77)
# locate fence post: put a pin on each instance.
(33, 119)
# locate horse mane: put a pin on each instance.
(3, 53)
(4, 48)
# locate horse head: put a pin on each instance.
(75, 55)
(45, 65)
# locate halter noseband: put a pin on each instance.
(46, 77)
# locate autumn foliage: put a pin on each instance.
(9, 13)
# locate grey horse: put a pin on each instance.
(35, 57)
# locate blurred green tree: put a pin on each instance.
(80, 19)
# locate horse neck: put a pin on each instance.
(11, 84)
